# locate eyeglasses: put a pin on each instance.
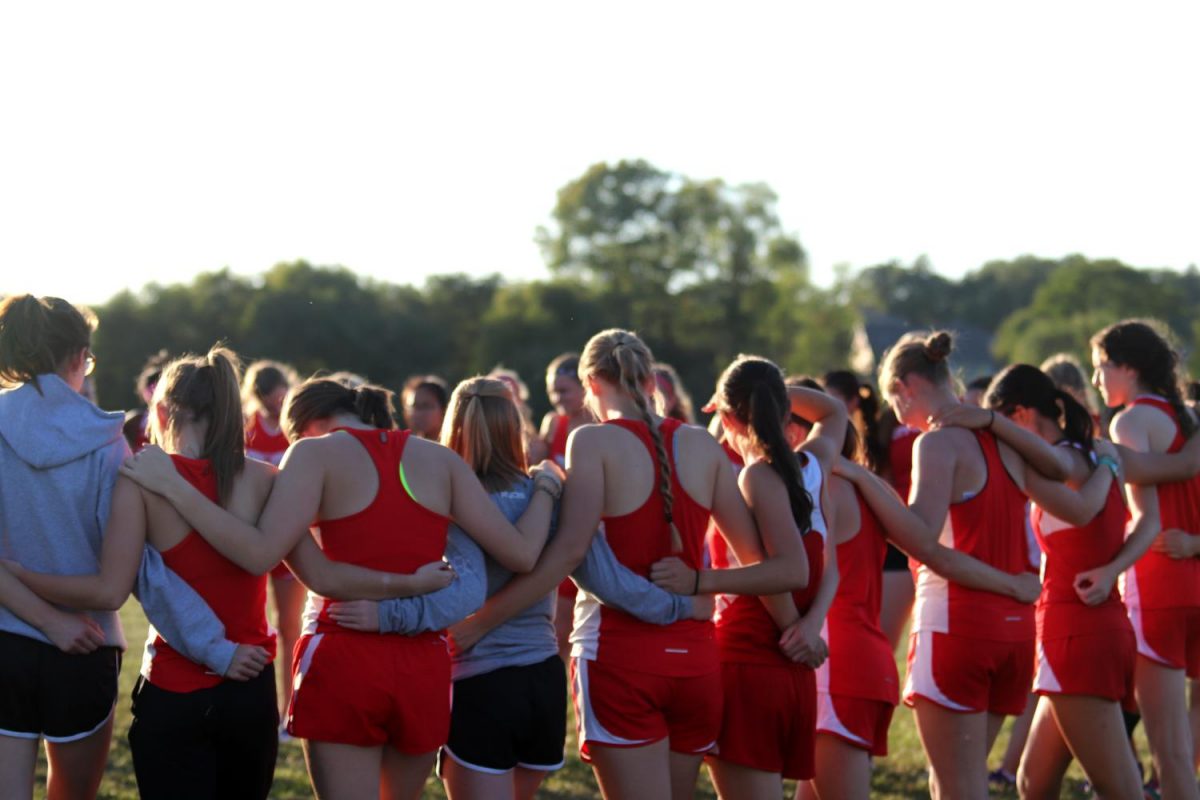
(89, 363)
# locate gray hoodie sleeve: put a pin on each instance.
(441, 609)
(180, 615)
(614, 584)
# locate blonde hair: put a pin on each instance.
(917, 352)
(621, 359)
(483, 426)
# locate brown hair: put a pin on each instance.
(483, 426)
(38, 334)
(207, 388)
(1135, 343)
(752, 390)
(683, 408)
(920, 353)
(263, 377)
(623, 360)
(321, 398)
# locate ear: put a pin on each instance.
(161, 416)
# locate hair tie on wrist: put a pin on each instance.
(696, 587)
(992, 419)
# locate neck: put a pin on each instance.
(189, 441)
(621, 406)
(345, 419)
(940, 399)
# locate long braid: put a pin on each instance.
(631, 379)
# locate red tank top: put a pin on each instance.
(1069, 550)
(991, 527)
(1156, 580)
(860, 660)
(746, 633)
(394, 533)
(638, 539)
(238, 598)
(558, 444)
(900, 450)
(263, 445)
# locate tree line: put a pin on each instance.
(703, 270)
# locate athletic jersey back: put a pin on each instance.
(558, 443)
(393, 534)
(1070, 550)
(860, 662)
(264, 445)
(1156, 580)
(238, 598)
(638, 539)
(746, 633)
(990, 526)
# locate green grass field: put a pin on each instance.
(900, 775)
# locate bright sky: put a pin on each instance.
(150, 141)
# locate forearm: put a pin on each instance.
(340, 581)
(237, 540)
(970, 572)
(534, 526)
(771, 576)
(441, 609)
(781, 607)
(613, 584)
(1049, 461)
(1147, 469)
(76, 591)
(1145, 530)
(524, 590)
(823, 600)
(180, 615)
(23, 601)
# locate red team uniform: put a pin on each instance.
(858, 686)
(972, 650)
(370, 689)
(1082, 650)
(238, 598)
(770, 702)
(1163, 594)
(635, 683)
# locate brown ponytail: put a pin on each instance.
(321, 398)
(38, 334)
(917, 352)
(752, 389)
(622, 359)
(207, 388)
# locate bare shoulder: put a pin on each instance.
(699, 441)
(760, 477)
(593, 434)
(259, 473)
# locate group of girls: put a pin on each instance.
(438, 565)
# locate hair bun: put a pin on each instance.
(938, 346)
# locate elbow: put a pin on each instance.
(111, 601)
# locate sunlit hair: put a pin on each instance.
(1026, 385)
(433, 384)
(483, 426)
(204, 388)
(513, 378)
(917, 353)
(38, 334)
(261, 379)
(1135, 343)
(322, 398)
(683, 409)
(751, 389)
(622, 360)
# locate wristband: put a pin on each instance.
(696, 587)
(992, 418)
(549, 486)
(1111, 463)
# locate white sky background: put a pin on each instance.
(149, 142)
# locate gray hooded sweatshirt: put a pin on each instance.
(59, 460)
